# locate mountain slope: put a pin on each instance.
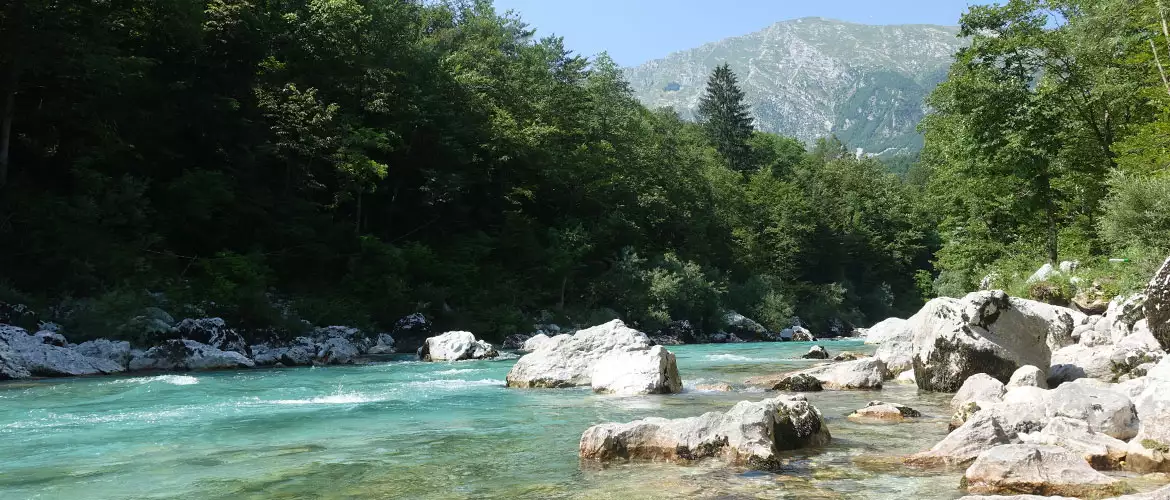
(811, 77)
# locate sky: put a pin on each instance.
(636, 31)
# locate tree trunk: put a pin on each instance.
(1050, 218)
(564, 285)
(6, 122)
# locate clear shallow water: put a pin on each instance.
(406, 429)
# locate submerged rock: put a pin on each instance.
(847, 356)
(600, 351)
(816, 352)
(1037, 469)
(985, 332)
(716, 387)
(887, 412)
(455, 346)
(749, 434)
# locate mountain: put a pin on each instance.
(813, 77)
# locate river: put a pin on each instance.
(407, 429)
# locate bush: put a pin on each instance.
(1137, 213)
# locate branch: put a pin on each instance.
(1161, 71)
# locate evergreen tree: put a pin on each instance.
(726, 118)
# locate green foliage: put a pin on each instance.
(1137, 213)
(352, 162)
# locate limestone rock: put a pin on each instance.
(749, 434)
(535, 342)
(980, 433)
(23, 355)
(337, 351)
(816, 352)
(887, 412)
(981, 389)
(571, 360)
(847, 356)
(1037, 469)
(798, 383)
(384, 345)
(455, 346)
(864, 374)
(188, 355)
(1100, 451)
(986, 332)
(746, 329)
(1028, 376)
(117, 351)
(516, 341)
(1079, 361)
(650, 371)
(1157, 306)
(1106, 410)
(887, 329)
(213, 332)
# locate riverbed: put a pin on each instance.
(406, 429)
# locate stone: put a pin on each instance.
(981, 389)
(1162, 493)
(798, 383)
(863, 374)
(746, 329)
(385, 345)
(411, 331)
(816, 352)
(570, 360)
(906, 377)
(885, 329)
(985, 332)
(1080, 361)
(1106, 410)
(1157, 305)
(337, 351)
(1137, 349)
(801, 334)
(213, 332)
(750, 433)
(117, 351)
(51, 338)
(679, 330)
(715, 387)
(1037, 469)
(1091, 300)
(886, 412)
(964, 444)
(897, 352)
(1028, 376)
(26, 355)
(1046, 271)
(183, 355)
(515, 341)
(649, 371)
(1100, 451)
(455, 346)
(535, 342)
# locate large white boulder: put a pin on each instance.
(535, 342)
(1080, 361)
(1157, 306)
(985, 332)
(1037, 469)
(455, 346)
(118, 351)
(650, 371)
(750, 433)
(981, 389)
(1028, 376)
(570, 360)
(188, 355)
(886, 329)
(897, 346)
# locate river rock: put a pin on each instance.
(384, 345)
(26, 355)
(847, 356)
(536, 342)
(864, 374)
(570, 360)
(1101, 451)
(885, 329)
(980, 389)
(1028, 376)
(816, 352)
(213, 332)
(1157, 306)
(746, 329)
(51, 338)
(117, 351)
(455, 346)
(886, 412)
(185, 355)
(799, 382)
(1037, 469)
(980, 433)
(1080, 361)
(650, 371)
(515, 341)
(799, 333)
(750, 433)
(986, 332)
(411, 331)
(337, 351)
(1162, 493)
(1106, 410)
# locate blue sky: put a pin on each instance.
(635, 31)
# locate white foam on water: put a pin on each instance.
(733, 357)
(455, 371)
(166, 379)
(454, 383)
(332, 399)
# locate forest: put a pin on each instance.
(283, 163)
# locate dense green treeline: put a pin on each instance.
(353, 161)
(1048, 141)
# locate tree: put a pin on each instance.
(726, 119)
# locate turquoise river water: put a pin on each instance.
(406, 429)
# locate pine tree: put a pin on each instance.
(726, 118)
